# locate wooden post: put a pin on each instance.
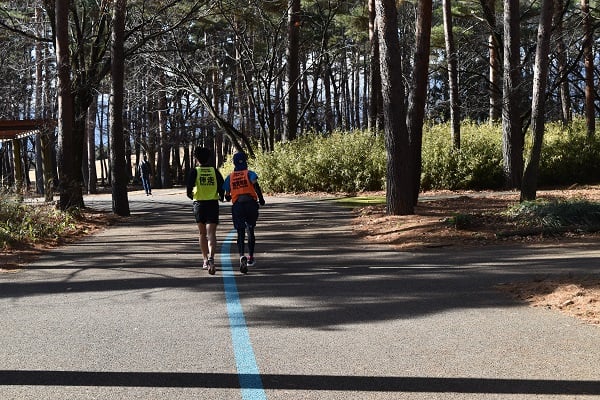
(18, 168)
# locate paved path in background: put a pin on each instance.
(129, 314)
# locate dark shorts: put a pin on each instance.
(244, 214)
(207, 211)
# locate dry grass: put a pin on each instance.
(86, 222)
(578, 297)
(479, 215)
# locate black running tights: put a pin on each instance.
(241, 237)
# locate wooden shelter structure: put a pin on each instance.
(17, 129)
(14, 130)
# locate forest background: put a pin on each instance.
(340, 95)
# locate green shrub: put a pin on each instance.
(476, 165)
(557, 214)
(356, 161)
(568, 156)
(340, 162)
(459, 221)
(28, 223)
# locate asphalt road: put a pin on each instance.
(129, 314)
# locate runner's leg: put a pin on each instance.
(251, 218)
(203, 240)
(237, 215)
(211, 236)
(251, 241)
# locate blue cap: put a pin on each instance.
(239, 161)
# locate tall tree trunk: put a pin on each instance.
(561, 58)
(275, 113)
(120, 203)
(216, 97)
(365, 95)
(39, 84)
(336, 96)
(452, 74)
(82, 99)
(399, 177)
(374, 122)
(68, 182)
(251, 131)
(102, 153)
(129, 127)
(356, 93)
(18, 168)
(151, 139)
(418, 94)
(512, 135)
(164, 150)
(48, 141)
(489, 12)
(329, 117)
(243, 96)
(588, 56)
(540, 77)
(179, 126)
(344, 101)
(46, 146)
(91, 146)
(293, 71)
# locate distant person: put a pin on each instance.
(205, 188)
(242, 188)
(145, 173)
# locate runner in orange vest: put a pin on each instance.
(242, 188)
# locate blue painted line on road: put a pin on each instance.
(247, 369)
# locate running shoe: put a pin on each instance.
(205, 265)
(211, 266)
(251, 261)
(244, 264)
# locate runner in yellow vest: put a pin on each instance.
(205, 188)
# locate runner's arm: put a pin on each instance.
(220, 182)
(253, 177)
(227, 189)
(261, 199)
(191, 182)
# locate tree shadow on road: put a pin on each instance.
(300, 382)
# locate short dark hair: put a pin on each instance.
(202, 154)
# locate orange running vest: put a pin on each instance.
(240, 184)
